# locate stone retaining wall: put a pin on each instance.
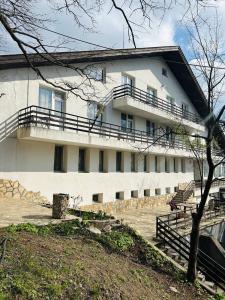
(123, 205)
(13, 189)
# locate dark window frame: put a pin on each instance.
(101, 161)
(118, 161)
(58, 160)
(82, 156)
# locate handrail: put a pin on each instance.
(40, 116)
(188, 190)
(145, 97)
(8, 126)
(208, 266)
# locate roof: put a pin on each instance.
(173, 56)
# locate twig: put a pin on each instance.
(3, 243)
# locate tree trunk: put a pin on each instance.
(194, 239)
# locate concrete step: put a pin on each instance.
(209, 283)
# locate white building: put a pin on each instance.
(57, 149)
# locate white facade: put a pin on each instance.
(28, 153)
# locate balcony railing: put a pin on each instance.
(51, 119)
(153, 101)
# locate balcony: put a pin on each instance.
(135, 101)
(37, 123)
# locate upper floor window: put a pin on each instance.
(152, 95)
(150, 128)
(127, 122)
(95, 73)
(171, 101)
(127, 79)
(94, 113)
(52, 99)
(164, 72)
(185, 110)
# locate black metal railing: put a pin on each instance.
(153, 101)
(181, 245)
(48, 118)
(8, 126)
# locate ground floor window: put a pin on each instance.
(81, 165)
(118, 161)
(101, 161)
(58, 159)
(183, 165)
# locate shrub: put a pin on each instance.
(118, 241)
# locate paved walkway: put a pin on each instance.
(143, 219)
(14, 211)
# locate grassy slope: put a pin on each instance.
(84, 266)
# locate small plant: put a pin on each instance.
(118, 241)
(23, 227)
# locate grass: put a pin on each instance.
(67, 261)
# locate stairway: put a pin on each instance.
(183, 195)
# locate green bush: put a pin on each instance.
(118, 241)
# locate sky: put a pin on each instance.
(111, 29)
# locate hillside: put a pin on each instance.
(69, 262)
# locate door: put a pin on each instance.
(129, 81)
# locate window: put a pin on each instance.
(185, 110)
(133, 162)
(52, 99)
(58, 159)
(134, 194)
(167, 165)
(101, 161)
(167, 190)
(150, 128)
(157, 165)
(157, 191)
(81, 164)
(119, 195)
(127, 122)
(164, 72)
(171, 101)
(170, 137)
(127, 79)
(96, 73)
(93, 112)
(118, 161)
(147, 192)
(97, 198)
(183, 165)
(145, 163)
(176, 189)
(175, 165)
(152, 95)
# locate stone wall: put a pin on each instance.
(123, 205)
(13, 189)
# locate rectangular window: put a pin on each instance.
(145, 163)
(157, 191)
(147, 192)
(127, 79)
(133, 162)
(58, 159)
(81, 165)
(171, 101)
(185, 110)
(127, 122)
(97, 198)
(94, 113)
(134, 194)
(101, 161)
(96, 73)
(168, 190)
(152, 96)
(167, 165)
(150, 128)
(118, 161)
(119, 195)
(52, 99)
(164, 72)
(175, 165)
(183, 165)
(157, 164)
